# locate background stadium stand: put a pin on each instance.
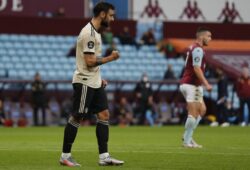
(24, 55)
(32, 47)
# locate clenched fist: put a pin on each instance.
(209, 87)
(115, 55)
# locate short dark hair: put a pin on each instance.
(202, 29)
(102, 6)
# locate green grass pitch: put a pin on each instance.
(141, 148)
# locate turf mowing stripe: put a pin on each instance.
(147, 152)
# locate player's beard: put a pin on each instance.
(104, 23)
(205, 42)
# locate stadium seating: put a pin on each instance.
(47, 54)
(21, 56)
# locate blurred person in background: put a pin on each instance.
(148, 38)
(221, 113)
(168, 49)
(124, 112)
(38, 88)
(143, 92)
(243, 91)
(125, 37)
(191, 85)
(169, 74)
(151, 112)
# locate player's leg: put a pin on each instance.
(193, 96)
(190, 123)
(81, 98)
(102, 131)
(70, 133)
(100, 106)
(201, 113)
(202, 107)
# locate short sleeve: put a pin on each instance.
(88, 43)
(197, 55)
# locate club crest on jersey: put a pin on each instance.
(91, 44)
(197, 59)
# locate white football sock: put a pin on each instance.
(103, 155)
(66, 155)
(198, 119)
(189, 128)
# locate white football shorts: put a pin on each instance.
(192, 93)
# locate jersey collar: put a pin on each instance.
(93, 26)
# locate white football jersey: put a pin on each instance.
(89, 41)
